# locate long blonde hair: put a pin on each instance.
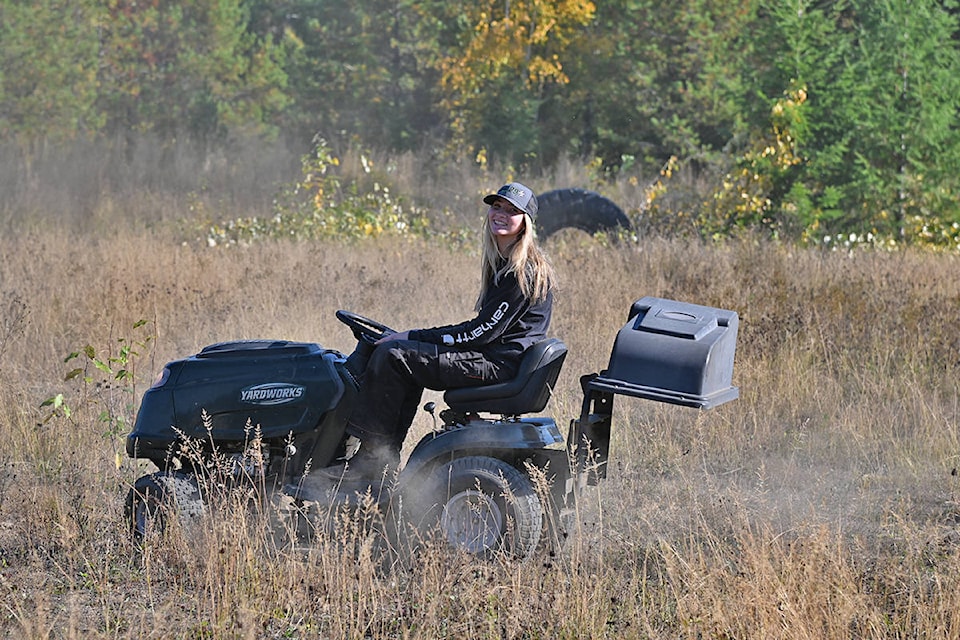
(534, 272)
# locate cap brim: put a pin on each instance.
(493, 197)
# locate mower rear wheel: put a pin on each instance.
(483, 505)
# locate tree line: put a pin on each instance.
(806, 118)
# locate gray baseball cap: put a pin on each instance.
(520, 196)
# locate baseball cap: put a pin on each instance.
(520, 196)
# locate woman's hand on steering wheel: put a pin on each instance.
(364, 329)
(387, 337)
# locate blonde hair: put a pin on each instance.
(533, 270)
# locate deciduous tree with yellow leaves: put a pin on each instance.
(493, 82)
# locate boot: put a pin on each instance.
(373, 462)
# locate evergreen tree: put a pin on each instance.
(802, 48)
(651, 80)
(174, 68)
(865, 139)
(48, 62)
(905, 152)
(355, 70)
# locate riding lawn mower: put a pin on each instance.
(264, 413)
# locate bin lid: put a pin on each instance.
(680, 323)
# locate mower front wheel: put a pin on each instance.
(156, 499)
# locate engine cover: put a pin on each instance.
(276, 386)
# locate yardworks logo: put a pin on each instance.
(271, 393)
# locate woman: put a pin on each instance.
(513, 312)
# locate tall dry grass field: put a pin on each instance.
(821, 504)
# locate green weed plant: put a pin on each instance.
(321, 205)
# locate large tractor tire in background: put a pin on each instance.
(578, 209)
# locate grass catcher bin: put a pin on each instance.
(669, 351)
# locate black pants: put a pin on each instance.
(396, 375)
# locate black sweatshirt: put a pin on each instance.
(505, 326)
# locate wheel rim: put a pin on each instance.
(472, 521)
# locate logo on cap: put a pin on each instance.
(511, 189)
(518, 195)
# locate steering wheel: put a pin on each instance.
(364, 329)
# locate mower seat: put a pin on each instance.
(528, 392)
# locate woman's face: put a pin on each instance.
(506, 221)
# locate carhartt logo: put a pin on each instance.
(486, 326)
(271, 393)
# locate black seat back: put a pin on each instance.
(528, 392)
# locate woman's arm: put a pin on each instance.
(504, 304)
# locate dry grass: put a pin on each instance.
(821, 504)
